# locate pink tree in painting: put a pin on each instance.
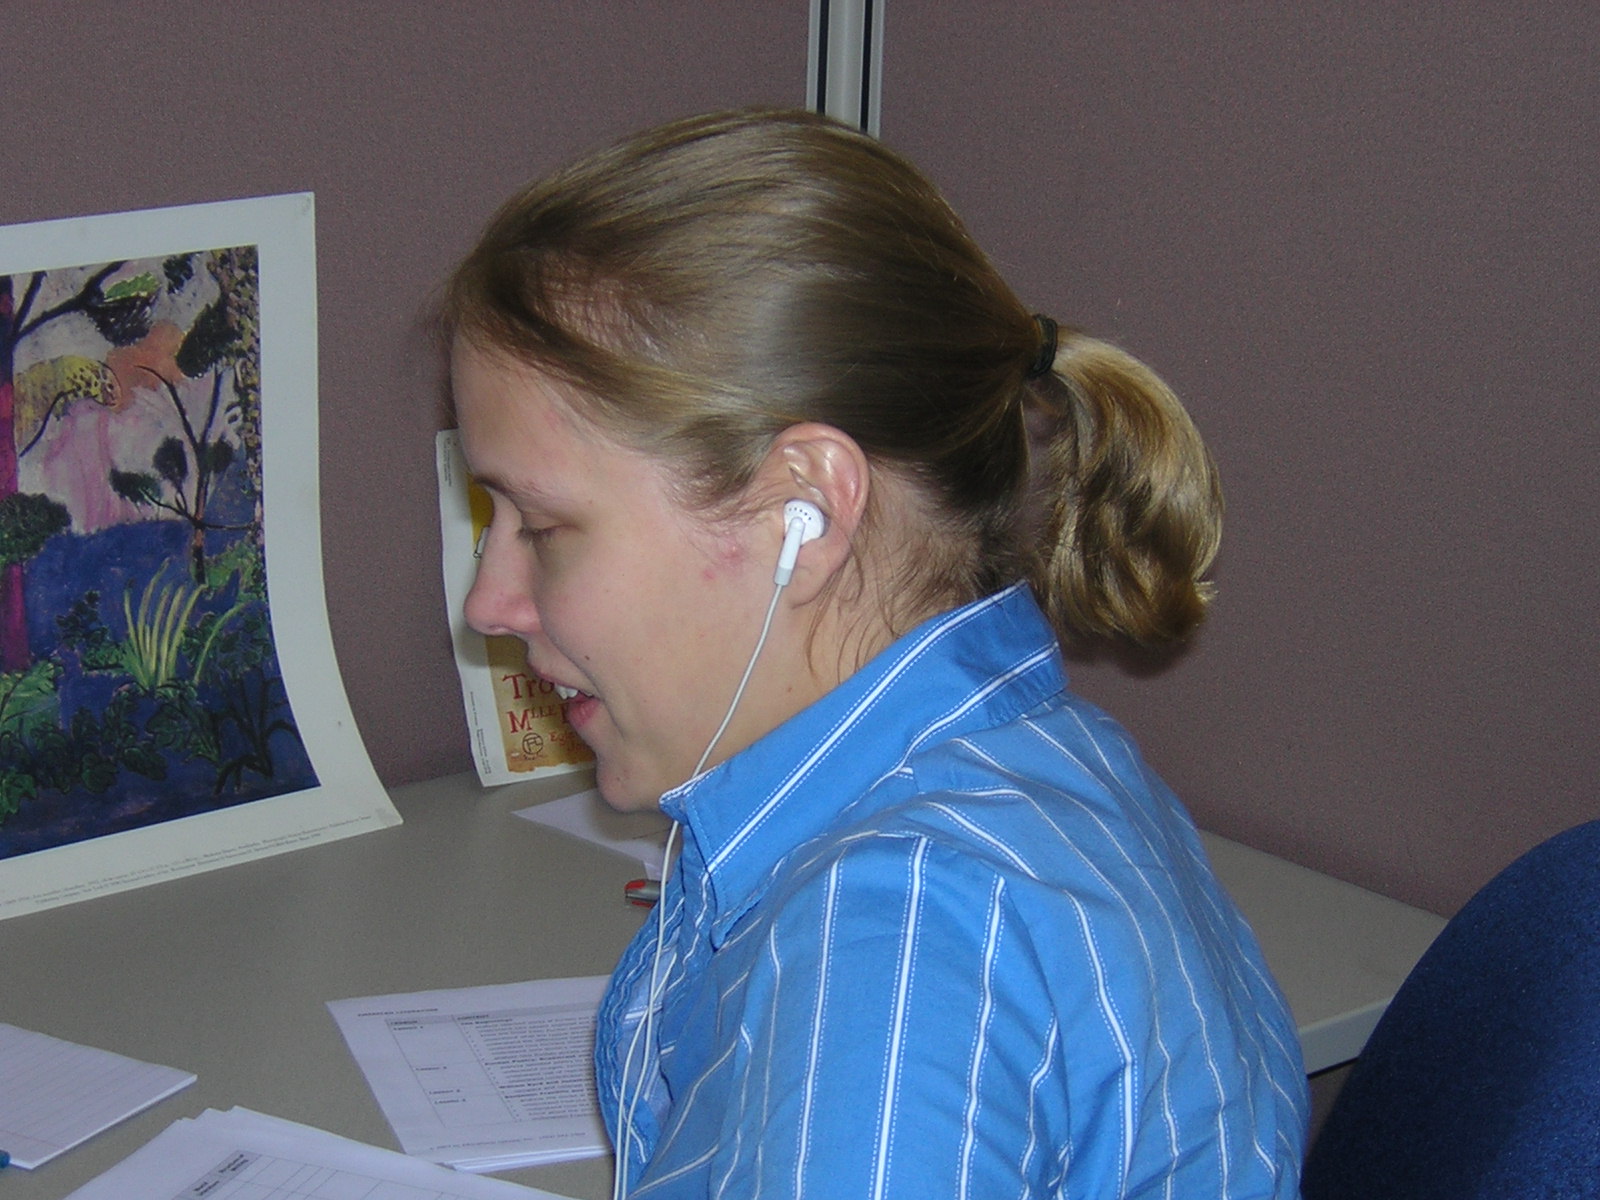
(13, 618)
(17, 322)
(13, 615)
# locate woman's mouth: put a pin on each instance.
(578, 705)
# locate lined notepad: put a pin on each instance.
(55, 1094)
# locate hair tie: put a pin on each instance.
(1045, 360)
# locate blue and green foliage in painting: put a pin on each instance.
(139, 681)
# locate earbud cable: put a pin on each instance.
(738, 695)
(643, 1031)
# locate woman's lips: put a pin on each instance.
(579, 705)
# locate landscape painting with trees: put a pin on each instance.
(139, 681)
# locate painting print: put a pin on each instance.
(138, 678)
(142, 681)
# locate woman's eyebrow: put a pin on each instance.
(511, 489)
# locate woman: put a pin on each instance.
(935, 928)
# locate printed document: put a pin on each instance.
(484, 1078)
(243, 1155)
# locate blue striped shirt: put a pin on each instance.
(945, 934)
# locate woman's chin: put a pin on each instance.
(621, 795)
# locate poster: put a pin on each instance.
(169, 698)
(516, 721)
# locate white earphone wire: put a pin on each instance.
(643, 1031)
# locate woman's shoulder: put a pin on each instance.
(1065, 777)
(1053, 807)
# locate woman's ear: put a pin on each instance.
(824, 466)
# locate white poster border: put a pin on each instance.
(349, 799)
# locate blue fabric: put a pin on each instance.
(945, 934)
(1483, 1077)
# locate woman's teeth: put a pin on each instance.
(567, 693)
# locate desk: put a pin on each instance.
(1338, 951)
(226, 974)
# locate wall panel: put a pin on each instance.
(1361, 241)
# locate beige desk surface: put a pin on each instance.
(227, 974)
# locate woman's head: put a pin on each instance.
(706, 285)
(701, 288)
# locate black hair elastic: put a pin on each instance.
(1046, 358)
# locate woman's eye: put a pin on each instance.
(535, 534)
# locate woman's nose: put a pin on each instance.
(501, 599)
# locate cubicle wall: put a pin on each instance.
(1363, 241)
(1360, 239)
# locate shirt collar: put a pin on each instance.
(970, 668)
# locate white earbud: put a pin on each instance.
(802, 522)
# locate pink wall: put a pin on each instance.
(1362, 240)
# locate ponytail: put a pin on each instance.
(1127, 497)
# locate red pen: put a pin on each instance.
(643, 892)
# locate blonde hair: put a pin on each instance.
(706, 284)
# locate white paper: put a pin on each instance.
(242, 1155)
(484, 1078)
(55, 1094)
(641, 836)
